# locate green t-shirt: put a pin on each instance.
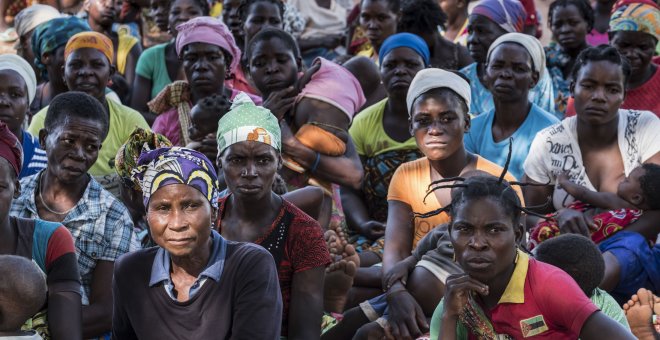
(151, 65)
(123, 120)
(369, 135)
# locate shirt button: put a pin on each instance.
(94, 254)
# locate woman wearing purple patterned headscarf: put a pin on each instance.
(194, 272)
(489, 20)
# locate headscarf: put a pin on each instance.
(20, 66)
(247, 122)
(210, 31)
(508, 14)
(138, 142)
(93, 40)
(176, 165)
(636, 15)
(52, 34)
(531, 44)
(31, 17)
(10, 148)
(409, 40)
(435, 78)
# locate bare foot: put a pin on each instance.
(335, 247)
(338, 280)
(639, 312)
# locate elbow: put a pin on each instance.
(354, 179)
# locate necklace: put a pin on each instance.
(43, 201)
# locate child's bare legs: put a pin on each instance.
(339, 275)
(639, 312)
(353, 319)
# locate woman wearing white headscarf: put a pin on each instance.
(514, 65)
(18, 85)
(25, 22)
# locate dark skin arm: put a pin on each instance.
(464, 58)
(131, 62)
(406, 318)
(64, 315)
(344, 170)
(97, 317)
(612, 272)
(308, 199)
(328, 41)
(140, 96)
(458, 289)
(357, 217)
(598, 324)
(306, 307)
(603, 200)
(398, 234)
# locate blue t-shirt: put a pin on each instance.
(34, 157)
(479, 139)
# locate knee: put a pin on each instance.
(370, 331)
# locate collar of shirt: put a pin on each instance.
(160, 270)
(515, 290)
(87, 208)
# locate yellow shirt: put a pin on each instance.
(369, 135)
(409, 185)
(123, 120)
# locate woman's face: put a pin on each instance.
(482, 32)
(484, 238)
(160, 11)
(637, 47)
(262, 15)
(180, 219)
(72, 147)
(231, 17)
(88, 70)
(438, 124)
(598, 92)
(9, 187)
(181, 11)
(24, 48)
(54, 62)
(273, 66)
(13, 99)
(205, 66)
(398, 69)
(569, 28)
(509, 73)
(102, 12)
(249, 168)
(378, 20)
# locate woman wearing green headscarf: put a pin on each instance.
(249, 146)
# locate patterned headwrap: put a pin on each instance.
(210, 31)
(508, 14)
(93, 40)
(138, 142)
(248, 122)
(176, 165)
(636, 15)
(409, 40)
(53, 34)
(10, 148)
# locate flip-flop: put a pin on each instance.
(8, 35)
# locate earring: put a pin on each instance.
(453, 258)
(515, 261)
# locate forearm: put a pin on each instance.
(308, 44)
(603, 200)
(340, 170)
(356, 211)
(64, 316)
(448, 327)
(96, 320)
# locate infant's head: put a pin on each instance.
(23, 287)
(642, 187)
(205, 115)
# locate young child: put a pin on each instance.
(328, 98)
(580, 258)
(204, 119)
(23, 288)
(610, 212)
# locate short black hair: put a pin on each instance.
(393, 5)
(22, 295)
(270, 33)
(650, 183)
(583, 6)
(578, 256)
(79, 105)
(601, 53)
(244, 7)
(421, 16)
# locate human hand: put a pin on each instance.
(208, 146)
(406, 320)
(574, 222)
(399, 272)
(458, 288)
(282, 101)
(372, 230)
(307, 76)
(332, 41)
